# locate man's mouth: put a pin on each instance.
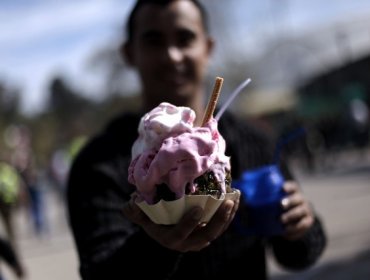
(174, 79)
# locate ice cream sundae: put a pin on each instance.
(176, 165)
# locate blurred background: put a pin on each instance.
(61, 80)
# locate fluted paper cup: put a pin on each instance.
(170, 212)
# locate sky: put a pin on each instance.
(42, 38)
(45, 38)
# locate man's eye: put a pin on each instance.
(152, 39)
(185, 38)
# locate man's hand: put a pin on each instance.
(189, 234)
(298, 216)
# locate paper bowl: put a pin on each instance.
(170, 212)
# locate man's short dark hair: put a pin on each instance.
(130, 26)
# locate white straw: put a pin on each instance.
(231, 98)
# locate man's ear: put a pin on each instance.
(126, 53)
(210, 45)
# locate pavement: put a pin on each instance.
(51, 256)
(339, 190)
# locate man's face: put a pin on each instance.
(170, 49)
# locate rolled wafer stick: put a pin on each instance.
(213, 100)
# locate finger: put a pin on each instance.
(292, 200)
(297, 230)
(186, 226)
(221, 217)
(214, 228)
(290, 187)
(134, 213)
(294, 214)
(196, 246)
(233, 212)
(173, 236)
(206, 242)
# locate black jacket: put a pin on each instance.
(110, 247)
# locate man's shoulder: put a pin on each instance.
(233, 126)
(122, 125)
(116, 138)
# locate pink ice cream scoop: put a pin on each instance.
(169, 150)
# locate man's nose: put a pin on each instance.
(175, 55)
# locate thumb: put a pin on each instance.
(134, 213)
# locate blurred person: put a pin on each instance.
(9, 255)
(75, 146)
(61, 161)
(169, 45)
(303, 143)
(10, 190)
(24, 161)
(58, 169)
(359, 122)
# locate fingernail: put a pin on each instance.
(285, 202)
(229, 208)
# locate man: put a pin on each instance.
(169, 45)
